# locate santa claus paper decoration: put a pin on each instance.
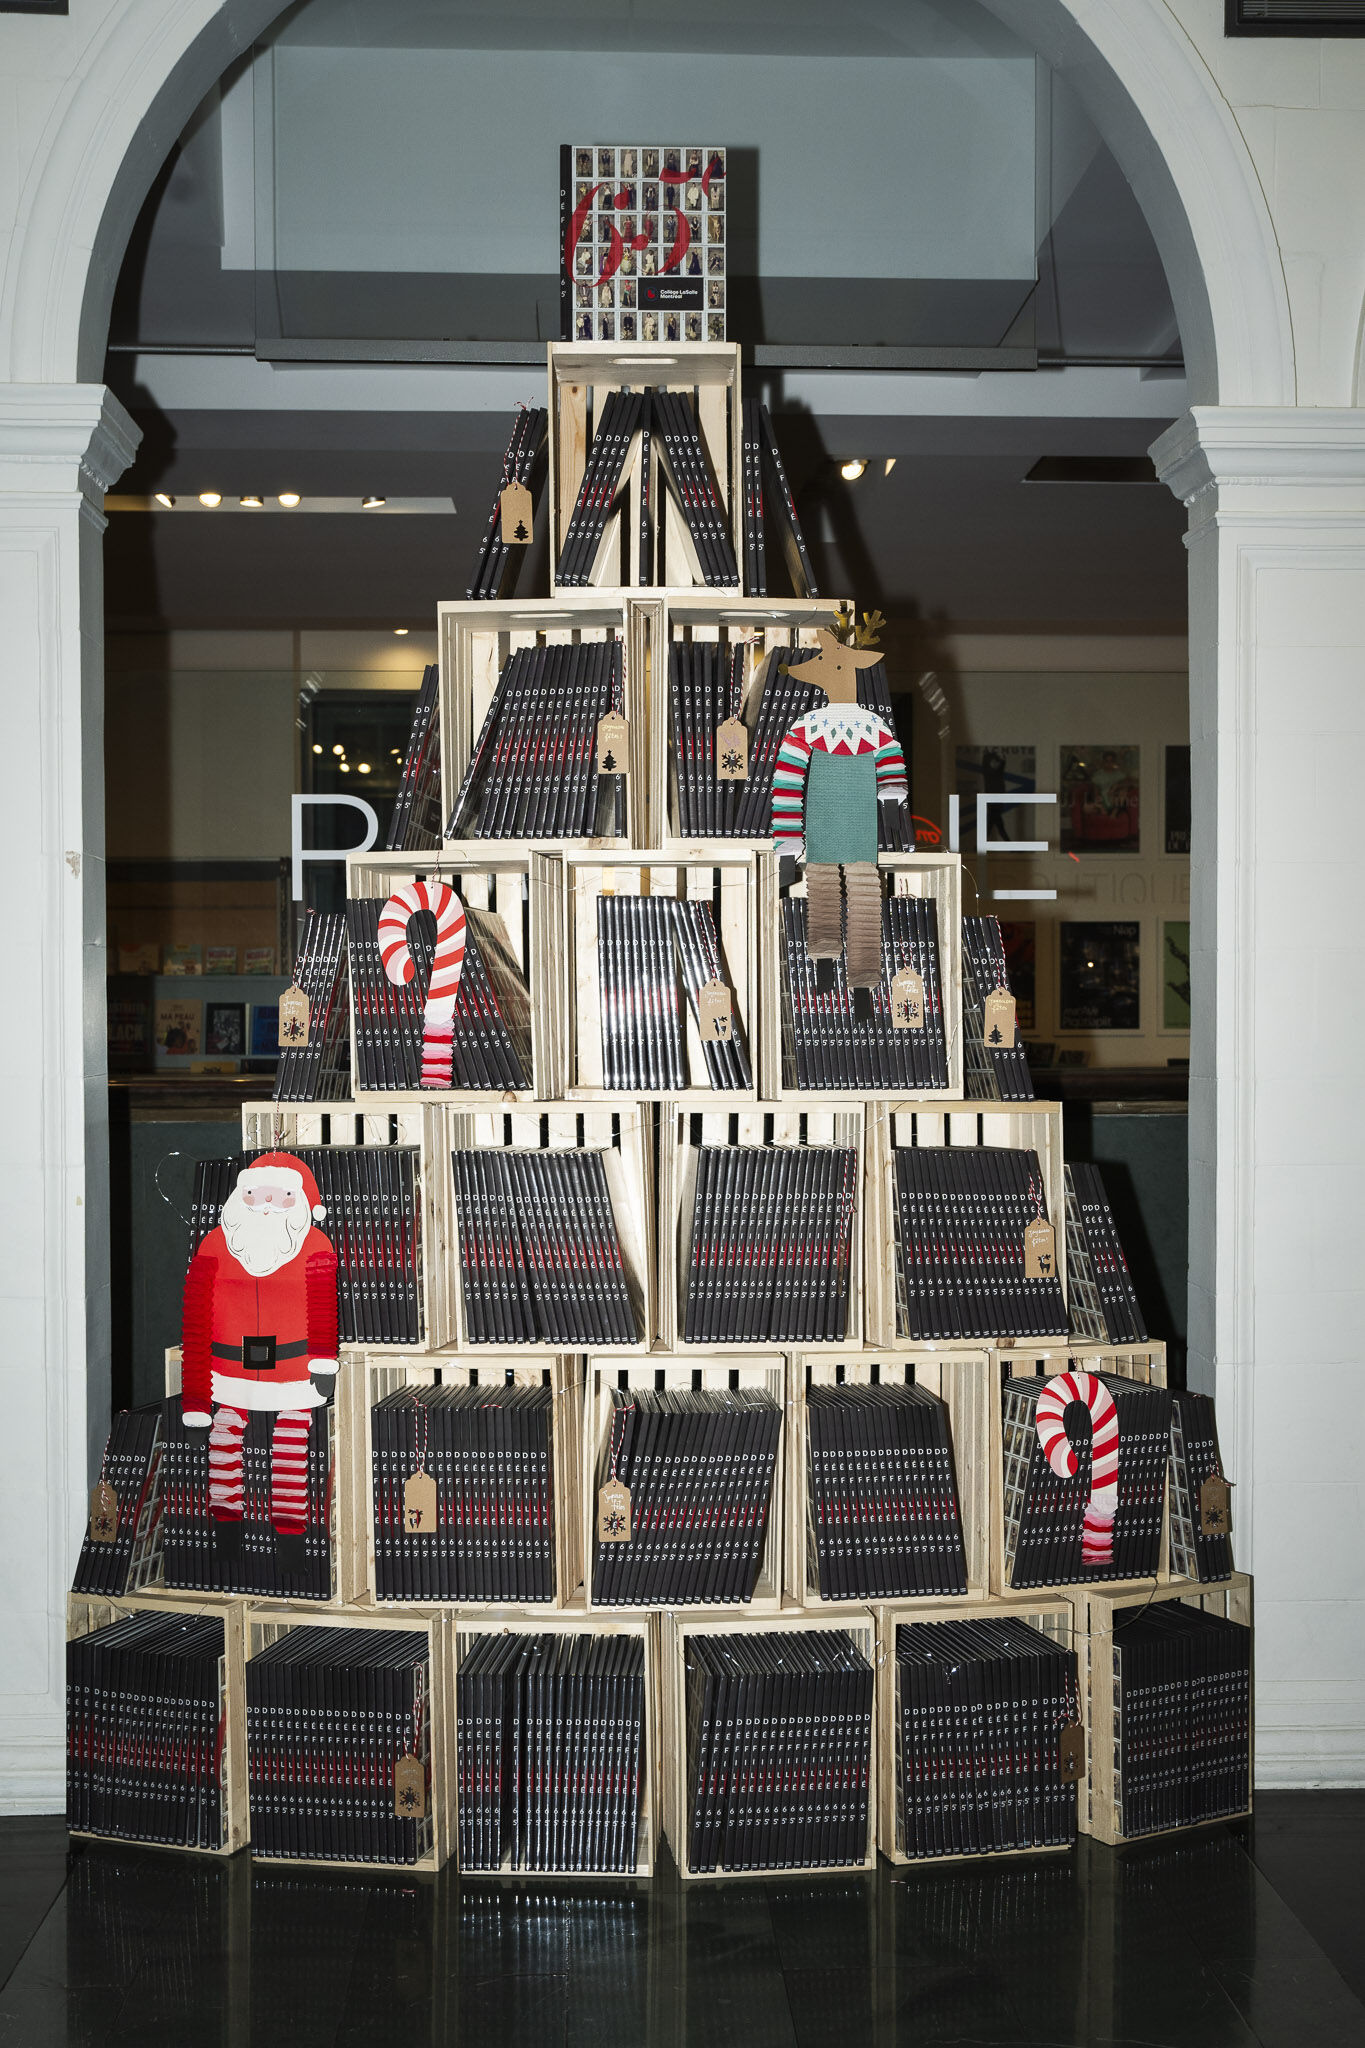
(260, 1332)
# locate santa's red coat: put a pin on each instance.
(224, 1304)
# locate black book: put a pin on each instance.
(1194, 1459)
(144, 1706)
(416, 821)
(131, 1466)
(1103, 1285)
(793, 539)
(995, 1073)
(320, 1070)
(490, 578)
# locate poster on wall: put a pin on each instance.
(1177, 799)
(1099, 792)
(996, 771)
(179, 1026)
(1175, 975)
(1100, 965)
(1020, 945)
(642, 242)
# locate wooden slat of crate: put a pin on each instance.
(378, 1375)
(764, 627)
(726, 880)
(476, 641)
(935, 875)
(1033, 1127)
(1034, 1359)
(746, 1369)
(267, 1620)
(530, 905)
(1094, 1608)
(757, 1125)
(85, 1612)
(962, 1380)
(582, 374)
(508, 1622)
(630, 1180)
(283, 1126)
(1046, 1611)
(676, 1627)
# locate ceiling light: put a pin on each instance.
(289, 499)
(210, 498)
(851, 470)
(371, 504)
(345, 767)
(317, 746)
(401, 631)
(363, 766)
(890, 465)
(252, 504)
(165, 498)
(338, 748)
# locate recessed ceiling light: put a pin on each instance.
(165, 498)
(889, 465)
(851, 470)
(338, 748)
(317, 746)
(371, 504)
(289, 499)
(363, 766)
(401, 631)
(345, 767)
(210, 498)
(252, 504)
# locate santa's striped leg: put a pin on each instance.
(289, 1472)
(225, 1465)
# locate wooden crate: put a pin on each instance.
(476, 640)
(465, 1627)
(676, 1628)
(266, 1621)
(372, 1376)
(681, 1132)
(936, 875)
(1033, 1358)
(706, 375)
(1046, 1611)
(767, 1373)
(962, 1380)
(725, 879)
(527, 892)
(342, 1508)
(272, 1126)
(85, 1612)
(1034, 1127)
(1094, 1609)
(765, 629)
(622, 1133)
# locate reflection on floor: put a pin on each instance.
(1232, 1936)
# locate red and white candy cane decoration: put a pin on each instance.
(1097, 1538)
(438, 1013)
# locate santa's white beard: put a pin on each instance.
(262, 1240)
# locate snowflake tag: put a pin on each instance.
(409, 1788)
(907, 1000)
(613, 1513)
(103, 1513)
(732, 751)
(293, 1025)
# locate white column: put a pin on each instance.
(60, 447)
(1277, 1081)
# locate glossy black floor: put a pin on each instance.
(1220, 1940)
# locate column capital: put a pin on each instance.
(56, 438)
(1313, 452)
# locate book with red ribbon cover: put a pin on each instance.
(642, 242)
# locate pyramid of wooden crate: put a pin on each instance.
(547, 893)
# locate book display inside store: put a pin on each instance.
(651, 1375)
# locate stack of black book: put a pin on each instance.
(684, 458)
(416, 822)
(771, 1232)
(980, 1710)
(1195, 1553)
(699, 1466)
(490, 578)
(131, 1465)
(1044, 1513)
(491, 1034)
(490, 1452)
(829, 1041)
(704, 683)
(319, 1070)
(1182, 1717)
(540, 1254)
(331, 1714)
(144, 1725)
(779, 1750)
(882, 1516)
(623, 416)
(961, 1215)
(551, 1745)
(642, 1034)
(759, 456)
(533, 773)
(1002, 1069)
(1103, 1303)
(192, 1558)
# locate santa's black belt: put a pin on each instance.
(237, 1352)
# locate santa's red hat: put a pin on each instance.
(273, 1168)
